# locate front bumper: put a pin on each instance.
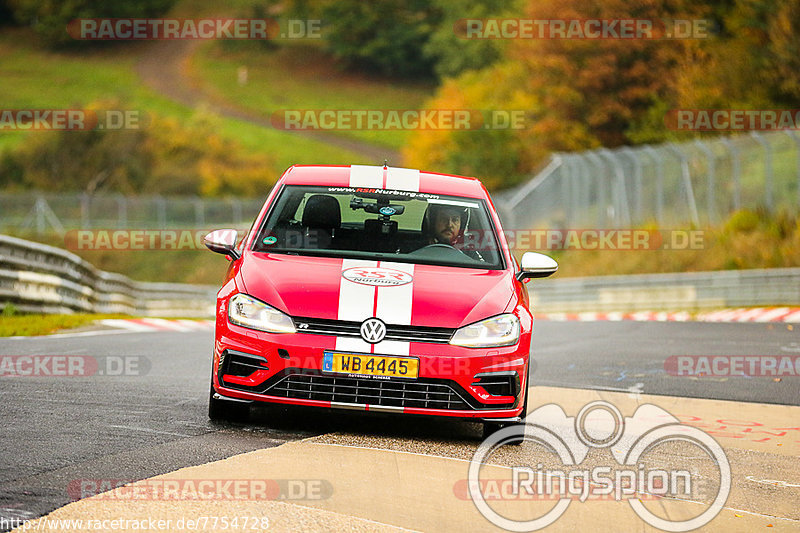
(453, 381)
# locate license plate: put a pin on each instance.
(381, 366)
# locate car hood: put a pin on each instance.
(346, 289)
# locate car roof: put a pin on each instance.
(429, 182)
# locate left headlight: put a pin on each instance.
(246, 311)
(501, 330)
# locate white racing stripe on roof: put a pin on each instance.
(366, 176)
(402, 179)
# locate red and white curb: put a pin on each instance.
(788, 315)
(158, 324)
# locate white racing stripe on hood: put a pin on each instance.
(355, 304)
(394, 303)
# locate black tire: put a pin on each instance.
(491, 427)
(227, 411)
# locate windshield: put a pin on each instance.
(381, 224)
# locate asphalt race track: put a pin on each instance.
(152, 421)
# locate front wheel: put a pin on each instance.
(225, 410)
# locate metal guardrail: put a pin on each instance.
(690, 291)
(39, 278)
(44, 279)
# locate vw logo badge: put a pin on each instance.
(373, 330)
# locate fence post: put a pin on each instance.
(236, 206)
(796, 140)
(199, 213)
(621, 193)
(122, 212)
(566, 179)
(637, 182)
(85, 206)
(161, 210)
(40, 215)
(602, 201)
(768, 179)
(710, 179)
(687, 182)
(737, 173)
(658, 159)
(584, 186)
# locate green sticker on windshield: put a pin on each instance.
(270, 240)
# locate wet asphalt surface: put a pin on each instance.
(60, 430)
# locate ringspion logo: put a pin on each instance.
(600, 425)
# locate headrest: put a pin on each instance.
(322, 211)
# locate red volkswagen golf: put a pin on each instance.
(376, 289)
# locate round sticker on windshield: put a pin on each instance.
(388, 210)
(378, 277)
(270, 240)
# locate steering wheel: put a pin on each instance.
(440, 245)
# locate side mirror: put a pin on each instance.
(536, 265)
(222, 241)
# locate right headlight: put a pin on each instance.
(501, 330)
(246, 311)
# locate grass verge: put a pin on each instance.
(301, 77)
(29, 325)
(747, 240)
(37, 78)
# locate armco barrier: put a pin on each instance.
(44, 279)
(690, 291)
(40, 278)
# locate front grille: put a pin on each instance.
(318, 326)
(388, 393)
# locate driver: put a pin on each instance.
(444, 224)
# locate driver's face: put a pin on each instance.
(446, 225)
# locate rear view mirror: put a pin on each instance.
(536, 265)
(222, 241)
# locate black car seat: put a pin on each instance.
(322, 216)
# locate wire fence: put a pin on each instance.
(39, 213)
(697, 183)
